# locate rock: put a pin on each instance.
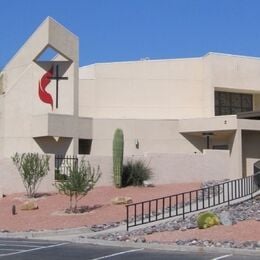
(218, 244)
(206, 243)
(194, 242)
(141, 240)
(148, 184)
(183, 228)
(122, 200)
(29, 205)
(257, 197)
(191, 226)
(180, 242)
(4, 231)
(122, 238)
(258, 244)
(149, 231)
(225, 218)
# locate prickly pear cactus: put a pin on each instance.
(118, 154)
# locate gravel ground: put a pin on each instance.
(242, 232)
(51, 215)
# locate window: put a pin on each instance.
(85, 146)
(227, 103)
(220, 147)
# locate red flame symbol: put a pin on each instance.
(43, 83)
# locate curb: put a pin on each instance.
(75, 235)
(46, 233)
(168, 247)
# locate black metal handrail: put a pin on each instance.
(191, 201)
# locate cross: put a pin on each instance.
(57, 78)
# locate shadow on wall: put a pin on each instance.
(196, 141)
(257, 173)
(49, 145)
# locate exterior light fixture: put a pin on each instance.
(136, 143)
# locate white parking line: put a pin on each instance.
(8, 249)
(21, 245)
(34, 249)
(25, 241)
(221, 257)
(120, 253)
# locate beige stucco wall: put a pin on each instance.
(165, 89)
(154, 136)
(173, 168)
(143, 89)
(13, 183)
(21, 103)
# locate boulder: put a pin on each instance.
(29, 205)
(257, 197)
(225, 218)
(122, 200)
(148, 184)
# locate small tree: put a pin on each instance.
(80, 181)
(32, 168)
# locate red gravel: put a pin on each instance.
(242, 231)
(49, 215)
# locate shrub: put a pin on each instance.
(32, 167)
(80, 181)
(207, 219)
(60, 176)
(135, 173)
(118, 154)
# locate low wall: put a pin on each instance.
(167, 168)
(106, 167)
(181, 168)
(11, 181)
(173, 168)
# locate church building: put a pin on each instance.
(191, 119)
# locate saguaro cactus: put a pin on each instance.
(118, 154)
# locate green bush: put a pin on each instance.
(207, 219)
(135, 173)
(32, 167)
(80, 181)
(60, 176)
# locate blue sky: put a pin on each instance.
(118, 30)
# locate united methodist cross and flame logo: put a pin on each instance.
(43, 83)
(45, 96)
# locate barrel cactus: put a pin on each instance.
(118, 153)
(207, 219)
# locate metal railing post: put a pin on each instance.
(243, 187)
(127, 217)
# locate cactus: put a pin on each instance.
(118, 153)
(207, 219)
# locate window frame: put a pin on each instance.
(231, 98)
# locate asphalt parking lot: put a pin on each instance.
(24, 249)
